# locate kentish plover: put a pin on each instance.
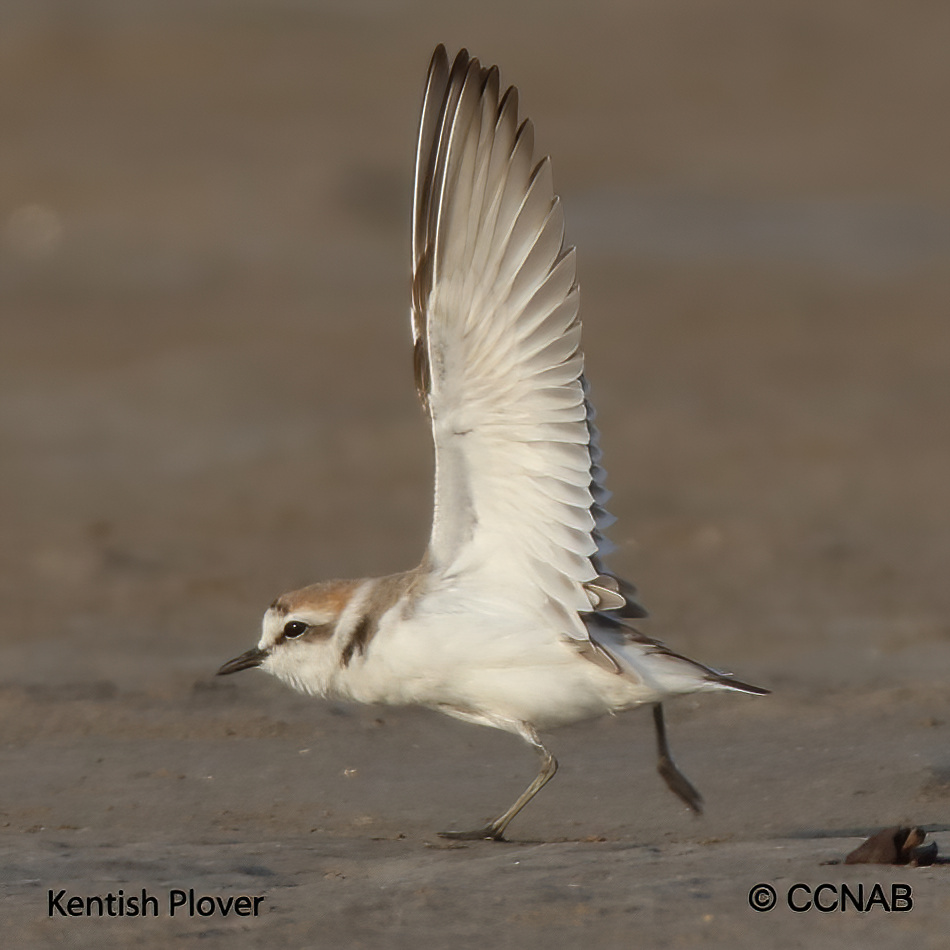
(512, 619)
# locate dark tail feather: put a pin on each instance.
(730, 682)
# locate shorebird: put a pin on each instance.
(512, 620)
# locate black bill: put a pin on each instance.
(245, 661)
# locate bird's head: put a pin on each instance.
(296, 636)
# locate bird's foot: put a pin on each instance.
(680, 785)
(488, 833)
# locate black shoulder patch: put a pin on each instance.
(359, 639)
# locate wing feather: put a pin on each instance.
(519, 491)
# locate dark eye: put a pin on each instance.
(294, 629)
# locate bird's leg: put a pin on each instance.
(495, 830)
(675, 780)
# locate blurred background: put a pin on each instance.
(206, 394)
(205, 389)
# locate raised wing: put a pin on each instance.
(518, 500)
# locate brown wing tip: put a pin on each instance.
(420, 366)
(730, 682)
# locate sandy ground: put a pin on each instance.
(206, 399)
